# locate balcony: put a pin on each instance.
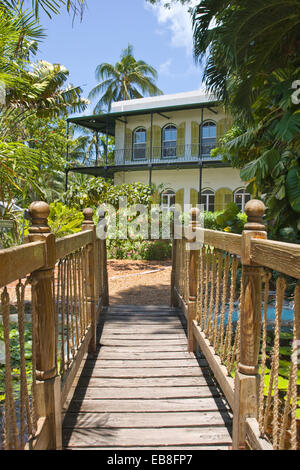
(143, 155)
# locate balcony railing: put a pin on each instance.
(165, 154)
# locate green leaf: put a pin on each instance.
(293, 188)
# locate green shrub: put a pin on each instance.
(64, 220)
(139, 249)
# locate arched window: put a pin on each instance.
(139, 144)
(169, 141)
(208, 137)
(208, 200)
(167, 199)
(241, 197)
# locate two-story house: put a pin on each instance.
(166, 140)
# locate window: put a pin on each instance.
(139, 144)
(208, 138)
(208, 200)
(169, 141)
(241, 198)
(167, 199)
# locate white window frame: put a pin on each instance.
(165, 141)
(207, 193)
(241, 192)
(169, 193)
(208, 139)
(139, 146)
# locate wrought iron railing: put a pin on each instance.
(164, 154)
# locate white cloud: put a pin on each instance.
(177, 20)
(164, 68)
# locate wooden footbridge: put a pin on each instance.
(203, 373)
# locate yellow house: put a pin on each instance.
(166, 140)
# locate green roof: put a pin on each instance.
(105, 123)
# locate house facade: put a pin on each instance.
(166, 141)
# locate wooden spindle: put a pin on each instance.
(247, 379)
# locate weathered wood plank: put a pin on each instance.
(253, 439)
(144, 308)
(141, 348)
(214, 361)
(172, 335)
(69, 376)
(112, 363)
(142, 382)
(142, 329)
(144, 343)
(141, 312)
(145, 420)
(114, 353)
(18, 261)
(146, 372)
(142, 437)
(146, 392)
(169, 405)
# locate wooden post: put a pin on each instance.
(88, 224)
(175, 259)
(247, 379)
(103, 267)
(48, 382)
(193, 275)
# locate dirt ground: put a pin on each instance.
(139, 282)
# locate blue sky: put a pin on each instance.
(161, 37)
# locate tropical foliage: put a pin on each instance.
(250, 51)
(127, 79)
(34, 98)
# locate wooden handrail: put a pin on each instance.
(18, 261)
(279, 256)
(70, 243)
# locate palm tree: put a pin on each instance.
(49, 6)
(127, 79)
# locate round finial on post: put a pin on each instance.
(255, 211)
(39, 212)
(88, 222)
(88, 216)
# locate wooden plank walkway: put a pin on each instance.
(143, 390)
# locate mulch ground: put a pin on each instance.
(139, 282)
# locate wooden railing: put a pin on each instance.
(225, 286)
(52, 293)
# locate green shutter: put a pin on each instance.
(223, 197)
(223, 126)
(180, 140)
(179, 198)
(128, 144)
(193, 197)
(195, 139)
(156, 149)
